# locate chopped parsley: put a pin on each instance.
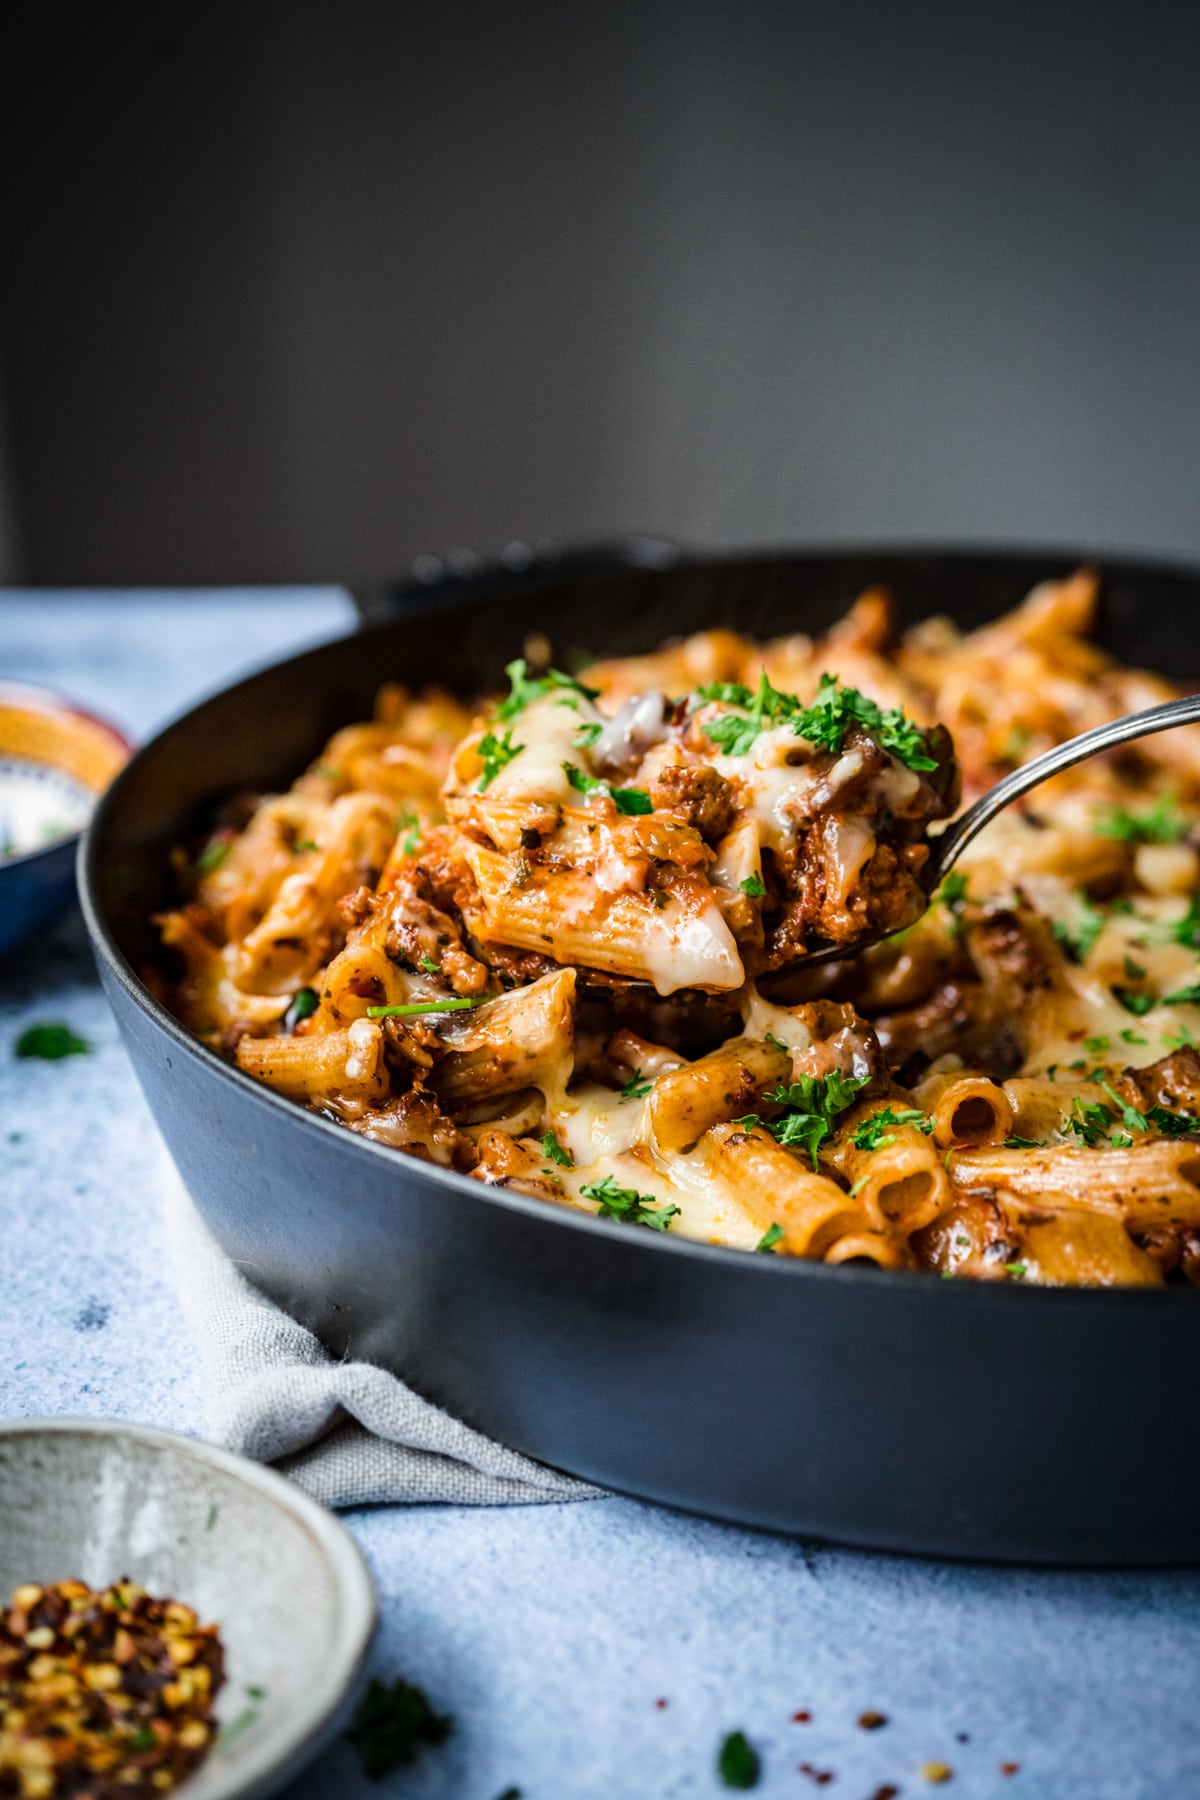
(554, 1150)
(427, 963)
(526, 687)
(51, 1041)
(305, 1002)
(1016, 1271)
(413, 1008)
(1136, 1001)
(1079, 942)
(776, 1043)
(1186, 931)
(1134, 971)
(771, 1236)
(626, 800)
(1020, 1143)
(953, 896)
(1130, 1036)
(874, 1133)
(635, 1088)
(305, 844)
(213, 855)
(753, 887)
(1184, 996)
(586, 736)
(812, 1102)
(1091, 1124)
(1088, 1123)
(496, 753)
(410, 825)
(834, 710)
(245, 1719)
(1096, 1046)
(392, 1723)
(628, 1205)
(1163, 823)
(1179, 1040)
(738, 1763)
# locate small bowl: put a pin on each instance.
(281, 1577)
(55, 762)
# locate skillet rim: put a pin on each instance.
(789, 1268)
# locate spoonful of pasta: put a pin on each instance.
(948, 845)
(696, 842)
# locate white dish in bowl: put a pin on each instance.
(281, 1577)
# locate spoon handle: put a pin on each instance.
(947, 848)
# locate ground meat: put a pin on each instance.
(505, 1162)
(355, 908)
(701, 796)
(416, 1124)
(1173, 1081)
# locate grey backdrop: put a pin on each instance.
(300, 291)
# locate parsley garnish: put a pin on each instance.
(1139, 1004)
(305, 1002)
(213, 855)
(626, 800)
(753, 887)
(953, 896)
(586, 736)
(737, 1763)
(825, 723)
(1130, 1036)
(635, 1088)
(142, 1739)
(1134, 970)
(1096, 1046)
(1184, 996)
(51, 1041)
(415, 1007)
(771, 1236)
(1186, 931)
(1087, 1123)
(1016, 1271)
(427, 963)
(305, 844)
(1162, 824)
(392, 1723)
(1020, 1143)
(496, 753)
(873, 1133)
(775, 1043)
(628, 1205)
(554, 1150)
(1079, 943)
(812, 1104)
(410, 825)
(1180, 1040)
(526, 688)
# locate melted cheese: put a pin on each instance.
(546, 732)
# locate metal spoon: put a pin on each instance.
(946, 849)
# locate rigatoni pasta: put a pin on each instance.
(558, 943)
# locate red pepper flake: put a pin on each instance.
(872, 1721)
(822, 1777)
(660, 1706)
(886, 1792)
(802, 1718)
(1009, 1768)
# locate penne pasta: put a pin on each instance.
(560, 941)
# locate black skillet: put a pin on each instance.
(892, 1410)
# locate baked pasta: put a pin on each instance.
(560, 943)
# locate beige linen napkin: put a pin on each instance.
(347, 1432)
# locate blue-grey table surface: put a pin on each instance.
(553, 1634)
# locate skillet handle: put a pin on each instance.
(434, 581)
